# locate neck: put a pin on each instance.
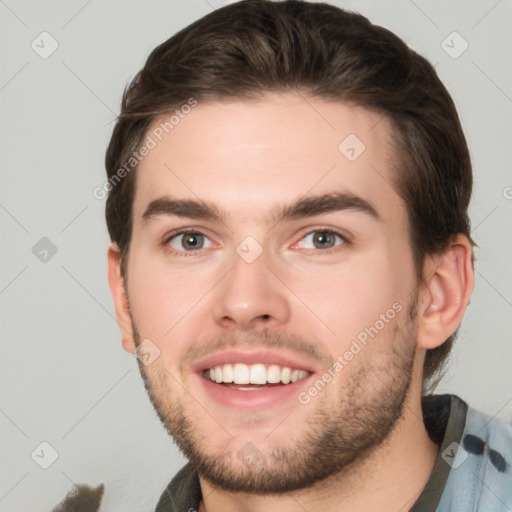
(389, 479)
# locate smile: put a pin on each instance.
(258, 374)
(253, 380)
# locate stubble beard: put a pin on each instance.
(334, 439)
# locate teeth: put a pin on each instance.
(258, 374)
(241, 374)
(228, 373)
(286, 374)
(273, 374)
(254, 374)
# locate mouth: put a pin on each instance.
(244, 377)
(252, 380)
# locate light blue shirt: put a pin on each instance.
(480, 478)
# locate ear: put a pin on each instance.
(445, 292)
(116, 283)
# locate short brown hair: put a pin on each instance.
(249, 48)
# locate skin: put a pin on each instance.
(248, 158)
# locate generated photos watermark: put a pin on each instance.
(150, 142)
(342, 360)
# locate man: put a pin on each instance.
(291, 259)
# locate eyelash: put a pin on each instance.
(183, 253)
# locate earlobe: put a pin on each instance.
(117, 288)
(445, 293)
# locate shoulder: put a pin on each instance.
(490, 436)
(480, 475)
(182, 494)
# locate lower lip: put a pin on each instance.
(254, 398)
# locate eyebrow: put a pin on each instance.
(298, 209)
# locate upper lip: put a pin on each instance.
(263, 356)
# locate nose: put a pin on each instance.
(251, 296)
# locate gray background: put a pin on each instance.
(64, 376)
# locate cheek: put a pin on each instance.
(348, 300)
(161, 297)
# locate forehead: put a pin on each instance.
(247, 156)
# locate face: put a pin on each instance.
(270, 264)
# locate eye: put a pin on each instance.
(189, 241)
(322, 239)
